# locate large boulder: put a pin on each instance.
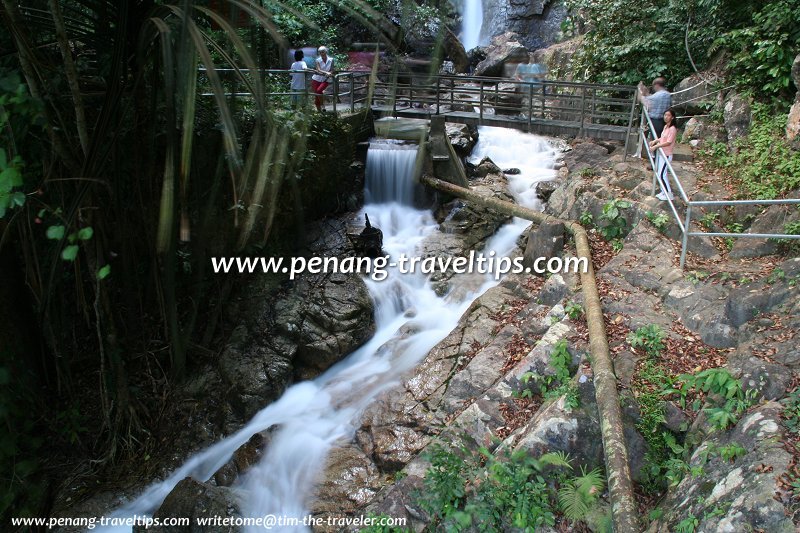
(703, 130)
(538, 22)
(462, 137)
(502, 56)
(558, 58)
(737, 117)
(586, 155)
(772, 220)
(327, 318)
(793, 122)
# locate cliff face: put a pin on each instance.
(538, 22)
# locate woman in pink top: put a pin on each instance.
(667, 142)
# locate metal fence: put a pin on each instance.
(661, 165)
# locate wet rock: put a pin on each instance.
(538, 22)
(502, 55)
(544, 189)
(192, 499)
(511, 171)
(485, 167)
(462, 137)
(545, 240)
(737, 117)
(328, 318)
(355, 490)
(244, 458)
(743, 489)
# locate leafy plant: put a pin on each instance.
(731, 452)
(573, 310)
(578, 495)
(659, 221)
(650, 338)
(716, 381)
(617, 245)
(615, 224)
(687, 525)
(709, 220)
(586, 219)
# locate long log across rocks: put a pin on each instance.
(620, 486)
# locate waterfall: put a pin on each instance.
(472, 22)
(314, 416)
(390, 172)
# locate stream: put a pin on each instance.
(313, 416)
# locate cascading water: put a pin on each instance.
(390, 164)
(313, 416)
(472, 23)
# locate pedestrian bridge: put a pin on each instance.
(547, 107)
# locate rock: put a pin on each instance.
(544, 189)
(502, 56)
(743, 489)
(462, 137)
(192, 499)
(769, 379)
(485, 167)
(675, 419)
(244, 458)
(544, 240)
(328, 318)
(698, 87)
(553, 291)
(586, 155)
(511, 171)
(704, 130)
(737, 117)
(537, 22)
(793, 121)
(772, 220)
(336, 495)
(455, 52)
(558, 58)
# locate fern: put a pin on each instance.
(579, 495)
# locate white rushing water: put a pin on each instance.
(312, 416)
(472, 22)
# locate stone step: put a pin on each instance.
(682, 152)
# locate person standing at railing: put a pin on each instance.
(666, 142)
(298, 84)
(656, 103)
(323, 75)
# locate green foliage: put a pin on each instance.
(493, 492)
(687, 525)
(383, 529)
(791, 411)
(558, 384)
(578, 495)
(628, 42)
(17, 111)
(573, 310)
(615, 225)
(659, 221)
(617, 245)
(709, 220)
(731, 452)
(764, 164)
(763, 50)
(586, 219)
(650, 338)
(718, 382)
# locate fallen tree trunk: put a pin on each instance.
(620, 486)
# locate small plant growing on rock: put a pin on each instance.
(731, 452)
(709, 220)
(718, 382)
(578, 495)
(650, 338)
(573, 310)
(617, 245)
(659, 221)
(586, 219)
(687, 525)
(615, 224)
(586, 172)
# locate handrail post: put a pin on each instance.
(530, 106)
(480, 104)
(335, 92)
(438, 80)
(583, 110)
(630, 126)
(685, 240)
(352, 94)
(544, 97)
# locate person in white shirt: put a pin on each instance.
(298, 84)
(323, 75)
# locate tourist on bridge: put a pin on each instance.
(323, 75)
(298, 84)
(656, 103)
(666, 142)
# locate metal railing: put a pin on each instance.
(348, 91)
(662, 165)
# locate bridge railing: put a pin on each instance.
(659, 164)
